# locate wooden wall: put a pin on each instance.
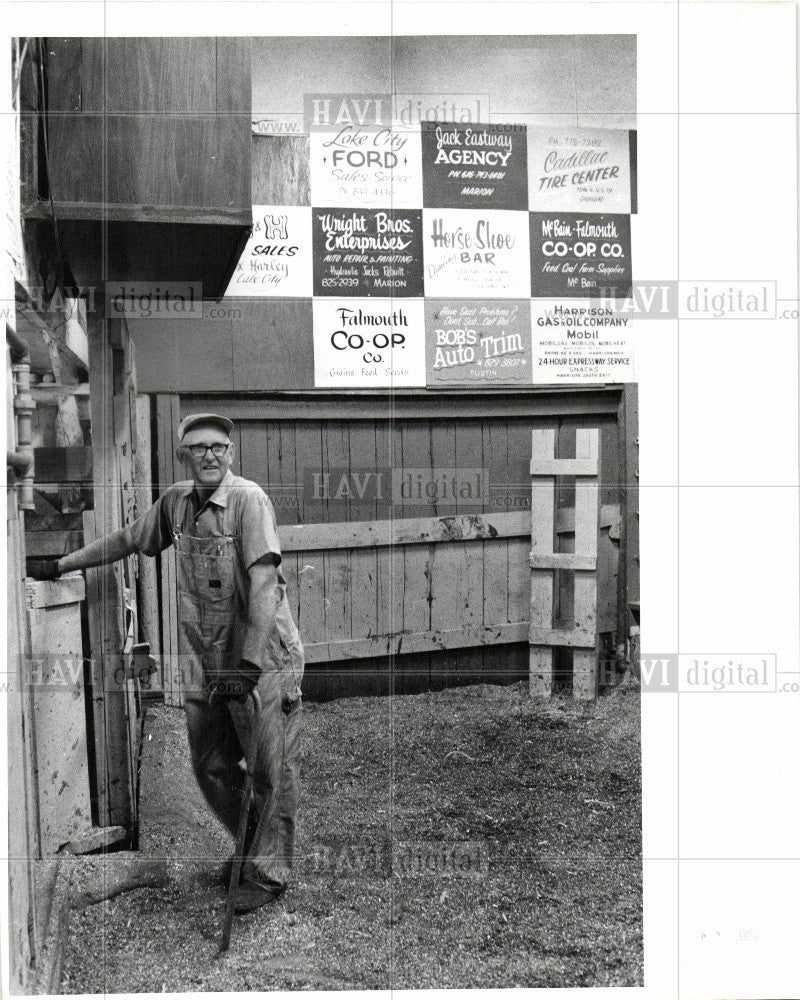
(444, 583)
(149, 121)
(143, 153)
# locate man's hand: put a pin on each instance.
(42, 569)
(236, 685)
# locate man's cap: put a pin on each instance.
(203, 418)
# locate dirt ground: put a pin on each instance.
(464, 838)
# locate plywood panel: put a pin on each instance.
(233, 77)
(280, 170)
(162, 75)
(272, 344)
(161, 355)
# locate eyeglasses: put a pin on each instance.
(199, 450)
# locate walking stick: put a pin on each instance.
(236, 868)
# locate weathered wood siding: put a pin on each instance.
(413, 595)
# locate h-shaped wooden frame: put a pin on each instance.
(544, 636)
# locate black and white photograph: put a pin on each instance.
(329, 505)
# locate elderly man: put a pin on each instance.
(236, 633)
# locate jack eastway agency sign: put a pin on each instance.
(474, 166)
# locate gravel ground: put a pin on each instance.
(464, 838)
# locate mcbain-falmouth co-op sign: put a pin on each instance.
(455, 254)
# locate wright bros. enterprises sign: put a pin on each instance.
(366, 251)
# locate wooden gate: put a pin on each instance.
(426, 591)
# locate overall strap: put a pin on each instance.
(229, 515)
(179, 516)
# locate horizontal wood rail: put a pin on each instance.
(403, 531)
(408, 404)
(422, 530)
(118, 212)
(562, 560)
(581, 638)
(417, 642)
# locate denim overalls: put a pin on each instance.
(212, 612)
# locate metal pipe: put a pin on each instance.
(18, 461)
(19, 349)
(24, 408)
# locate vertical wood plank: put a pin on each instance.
(630, 523)
(111, 637)
(416, 588)
(167, 416)
(469, 456)
(311, 597)
(310, 568)
(308, 441)
(251, 447)
(126, 445)
(518, 484)
(363, 562)
(495, 552)
(282, 482)
(389, 560)
(95, 621)
(148, 580)
(336, 562)
(587, 492)
(543, 443)
(284, 488)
